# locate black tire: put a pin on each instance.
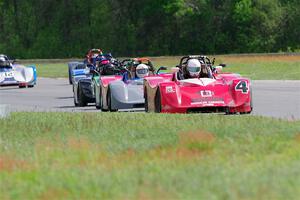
(157, 101)
(81, 98)
(109, 102)
(230, 113)
(70, 77)
(30, 86)
(98, 107)
(146, 101)
(245, 113)
(22, 86)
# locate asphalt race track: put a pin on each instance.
(280, 99)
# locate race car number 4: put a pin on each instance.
(242, 86)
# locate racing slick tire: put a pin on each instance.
(146, 101)
(81, 98)
(109, 101)
(158, 101)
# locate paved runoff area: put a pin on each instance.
(279, 99)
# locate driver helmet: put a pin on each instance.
(3, 61)
(142, 70)
(193, 68)
(108, 69)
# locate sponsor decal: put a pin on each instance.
(170, 89)
(206, 93)
(208, 100)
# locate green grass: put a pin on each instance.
(262, 67)
(52, 70)
(148, 156)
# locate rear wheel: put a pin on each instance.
(22, 86)
(30, 86)
(146, 101)
(70, 77)
(81, 98)
(245, 113)
(109, 102)
(158, 101)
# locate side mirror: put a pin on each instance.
(223, 65)
(161, 68)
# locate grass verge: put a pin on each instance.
(148, 156)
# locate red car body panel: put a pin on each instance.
(224, 93)
(107, 79)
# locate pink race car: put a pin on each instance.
(198, 86)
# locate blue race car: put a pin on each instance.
(82, 78)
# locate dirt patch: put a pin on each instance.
(190, 145)
(9, 163)
(52, 193)
(297, 137)
(195, 143)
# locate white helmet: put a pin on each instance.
(3, 61)
(193, 68)
(142, 70)
(2, 58)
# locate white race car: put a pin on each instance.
(14, 74)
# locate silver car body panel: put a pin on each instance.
(127, 95)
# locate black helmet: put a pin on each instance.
(108, 69)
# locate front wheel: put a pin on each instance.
(81, 98)
(146, 101)
(158, 101)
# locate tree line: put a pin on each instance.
(68, 28)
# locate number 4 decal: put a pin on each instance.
(242, 86)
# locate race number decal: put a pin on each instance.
(242, 86)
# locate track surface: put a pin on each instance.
(280, 99)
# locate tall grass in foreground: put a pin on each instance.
(255, 67)
(148, 156)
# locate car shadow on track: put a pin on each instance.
(64, 98)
